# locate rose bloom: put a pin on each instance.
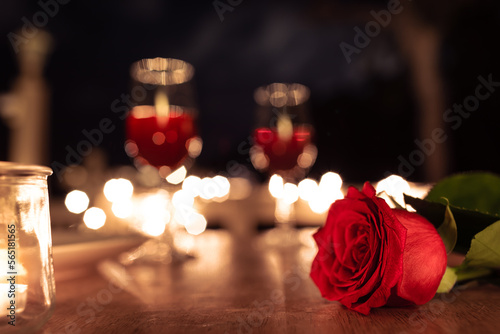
(370, 255)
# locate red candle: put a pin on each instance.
(160, 140)
(282, 153)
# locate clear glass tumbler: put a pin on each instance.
(27, 288)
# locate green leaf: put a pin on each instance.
(474, 191)
(448, 230)
(485, 248)
(468, 222)
(448, 281)
(465, 273)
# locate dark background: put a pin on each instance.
(365, 112)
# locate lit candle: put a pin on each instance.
(160, 135)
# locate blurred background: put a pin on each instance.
(371, 99)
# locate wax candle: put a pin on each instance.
(283, 151)
(160, 139)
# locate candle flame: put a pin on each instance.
(162, 107)
(284, 127)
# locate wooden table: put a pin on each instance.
(240, 286)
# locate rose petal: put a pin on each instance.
(353, 193)
(368, 190)
(321, 280)
(424, 260)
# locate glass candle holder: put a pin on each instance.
(27, 288)
(284, 148)
(161, 133)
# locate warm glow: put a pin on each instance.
(153, 227)
(276, 186)
(241, 188)
(162, 106)
(182, 214)
(118, 190)
(158, 138)
(394, 186)
(196, 224)
(177, 176)
(195, 145)
(319, 204)
(192, 185)
(278, 95)
(164, 171)
(77, 201)
(284, 127)
(330, 181)
(131, 148)
(223, 185)
(419, 190)
(94, 218)
(162, 71)
(182, 198)
(307, 158)
(155, 206)
(208, 188)
(290, 193)
(259, 158)
(329, 190)
(122, 209)
(152, 212)
(283, 211)
(307, 189)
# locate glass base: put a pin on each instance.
(282, 237)
(155, 251)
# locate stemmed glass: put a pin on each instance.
(161, 132)
(283, 146)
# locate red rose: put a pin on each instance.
(370, 255)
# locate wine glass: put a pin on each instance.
(161, 132)
(283, 146)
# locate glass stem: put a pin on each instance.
(284, 214)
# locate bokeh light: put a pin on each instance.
(94, 218)
(394, 186)
(182, 198)
(223, 185)
(307, 188)
(290, 193)
(177, 176)
(196, 224)
(118, 189)
(76, 201)
(329, 190)
(192, 185)
(276, 186)
(122, 209)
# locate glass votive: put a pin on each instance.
(27, 289)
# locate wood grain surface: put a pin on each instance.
(243, 286)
